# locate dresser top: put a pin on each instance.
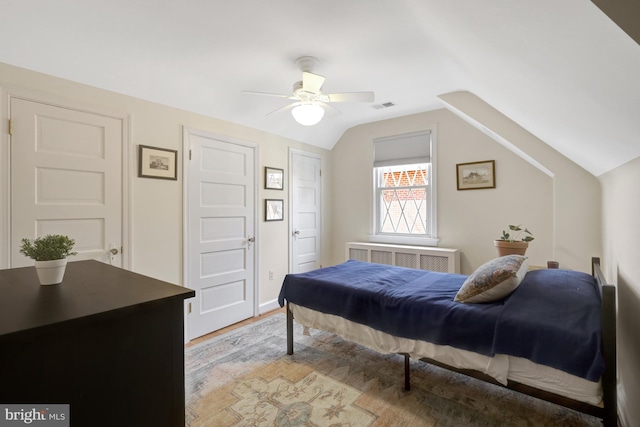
(89, 288)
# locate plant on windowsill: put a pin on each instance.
(50, 255)
(513, 244)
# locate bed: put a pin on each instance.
(546, 333)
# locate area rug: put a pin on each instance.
(245, 378)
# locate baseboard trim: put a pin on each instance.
(268, 306)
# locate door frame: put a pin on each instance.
(9, 92)
(292, 152)
(186, 131)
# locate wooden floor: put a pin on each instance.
(232, 327)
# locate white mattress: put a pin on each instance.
(501, 367)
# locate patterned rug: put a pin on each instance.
(245, 378)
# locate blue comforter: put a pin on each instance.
(552, 322)
(553, 318)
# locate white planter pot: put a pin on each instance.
(51, 272)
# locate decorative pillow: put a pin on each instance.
(494, 279)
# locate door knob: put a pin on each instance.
(296, 232)
(114, 251)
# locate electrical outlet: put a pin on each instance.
(270, 274)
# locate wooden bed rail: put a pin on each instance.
(608, 319)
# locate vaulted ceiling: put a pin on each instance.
(560, 69)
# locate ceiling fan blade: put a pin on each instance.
(285, 108)
(278, 95)
(351, 97)
(312, 82)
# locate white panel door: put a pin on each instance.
(66, 178)
(221, 239)
(306, 211)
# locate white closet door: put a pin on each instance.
(66, 178)
(306, 211)
(221, 235)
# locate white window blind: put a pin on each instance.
(410, 148)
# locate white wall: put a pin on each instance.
(621, 204)
(160, 254)
(470, 220)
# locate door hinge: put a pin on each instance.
(189, 154)
(10, 127)
(189, 309)
(320, 172)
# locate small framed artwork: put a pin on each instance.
(160, 163)
(273, 178)
(273, 209)
(476, 175)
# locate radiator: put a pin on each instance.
(421, 257)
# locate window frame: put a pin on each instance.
(432, 224)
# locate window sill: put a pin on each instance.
(403, 240)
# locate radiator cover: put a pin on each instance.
(421, 257)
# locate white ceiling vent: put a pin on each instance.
(384, 105)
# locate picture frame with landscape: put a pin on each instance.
(476, 175)
(273, 209)
(159, 163)
(273, 178)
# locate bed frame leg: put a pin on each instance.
(609, 377)
(289, 330)
(407, 373)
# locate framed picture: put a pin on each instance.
(273, 178)
(158, 163)
(476, 175)
(273, 209)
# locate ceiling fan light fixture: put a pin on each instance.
(308, 113)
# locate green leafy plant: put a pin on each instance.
(518, 231)
(47, 248)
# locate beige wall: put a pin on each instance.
(565, 222)
(621, 204)
(160, 254)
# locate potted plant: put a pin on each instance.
(50, 255)
(515, 241)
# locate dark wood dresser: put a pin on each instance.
(106, 341)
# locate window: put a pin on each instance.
(404, 208)
(402, 199)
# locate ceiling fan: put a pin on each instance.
(311, 103)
